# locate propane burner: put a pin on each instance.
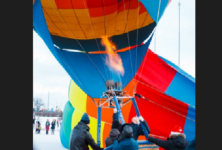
(114, 89)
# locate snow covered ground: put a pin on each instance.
(43, 141)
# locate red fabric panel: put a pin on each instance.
(111, 9)
(96, 12)
(79, 4)
(160, 120)
(94, 3)
(142, 8)
(63, 4)
(121, 6)
(134, 4)
(106, 131)
(155, 72)
(110, 2)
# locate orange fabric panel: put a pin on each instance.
(96, 20)
(49, 4)
(51, 11)
(96, 12)
(79, 4)
(106, 131)
(63, 4)
(70, 20)
(91, 108)
(67, 12)
(82, 13)
(110, 9)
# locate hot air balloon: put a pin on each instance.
(73, 31)
(159, 81)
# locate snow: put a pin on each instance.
(43, 141)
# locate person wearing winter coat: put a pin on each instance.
(47, 124)
(126, 140)
(176, 141)
(137, 129)
(80, 137)
(36, 127)
(39, 127)
(53, 126)
(191, 146)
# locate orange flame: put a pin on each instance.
(113, 60)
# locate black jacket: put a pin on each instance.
(175, 142)
(53, 125)
(113, 135)
(137, 129)
(191, 146)
(80, 138)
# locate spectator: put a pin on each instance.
(126, 140)
(80, 137)
(53, 126)
(47, 125)
(191, 146)
(176, 141)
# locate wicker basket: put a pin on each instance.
(152, 147)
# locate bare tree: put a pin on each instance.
(38, 103)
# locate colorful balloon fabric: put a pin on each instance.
(171, 94)
(72, 30)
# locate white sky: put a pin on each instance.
(49, 75)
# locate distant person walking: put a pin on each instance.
(53, 126)
(47, 125)
(33, 121)
(57, 123)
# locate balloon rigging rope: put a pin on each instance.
(79, 44)
(96, 39)
(155, 31)
(162, 105)
(128, 36)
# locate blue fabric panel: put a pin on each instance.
(189, 128)
(178, 69)
(41, 28)
(86, 75)
(63, 139)
(152, 7)
(182, 89)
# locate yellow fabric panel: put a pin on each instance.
(96, 20)
(61, 26)
(80, 35)
(93, 128)
(89, 34)
(148, 20)
(70, 20)
(98, 26)
(130, 25)
(77, 97)
(101, 133)
(141, 20)
(49, 4)
(111, 22)
(86, 27)
(99, 32)
(51, 11)
(111, 16)
(68, 33)
(56, 19)
(122, 15)
(110, 30)
(74, 27)
(84, 21)
(120, 26)
(133, 13)
(67, 12)
(82, 13)
(76, 117)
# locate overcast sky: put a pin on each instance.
(49, 75)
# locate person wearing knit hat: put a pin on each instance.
(176, 141)
(80, 137)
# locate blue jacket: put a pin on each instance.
(125, 140)
(126, 144)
